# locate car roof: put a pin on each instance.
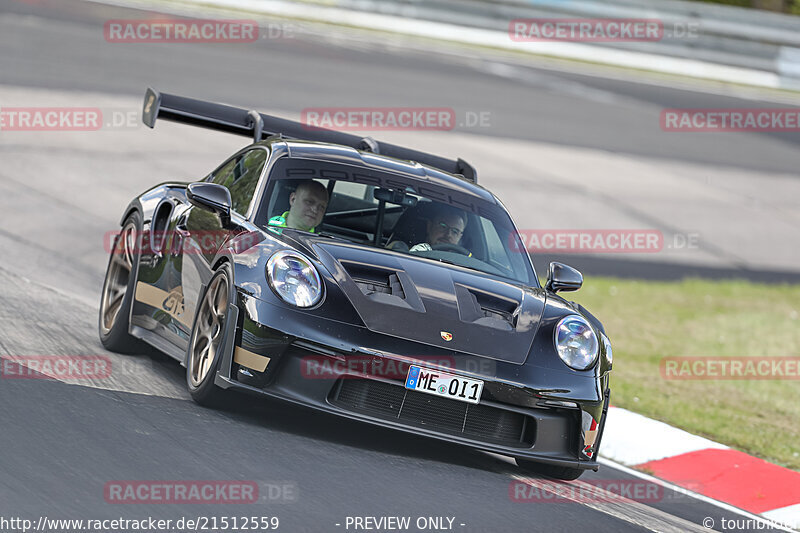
(411, 170)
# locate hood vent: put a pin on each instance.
(372, 280)
(486, 309)
(381, 285)
(389, 285)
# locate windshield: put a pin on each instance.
(389, 211)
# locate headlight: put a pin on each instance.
(294, 279)
(576, 342)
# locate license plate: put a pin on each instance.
(443, 384)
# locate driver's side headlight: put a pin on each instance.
(294, 278)
(576, 342)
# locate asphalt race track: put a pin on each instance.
(61, 193)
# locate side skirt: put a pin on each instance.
(157, 342)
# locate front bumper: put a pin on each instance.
(511, 418)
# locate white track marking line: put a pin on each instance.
(772, 526)
(628, 439)
(35, 367)
(615, 505)
(789, 515)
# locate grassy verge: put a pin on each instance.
(781, 6)
(647, 321)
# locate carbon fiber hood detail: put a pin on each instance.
(434, 303)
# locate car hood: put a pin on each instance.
(434, 303)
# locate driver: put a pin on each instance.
(446, 226)
(307, 205)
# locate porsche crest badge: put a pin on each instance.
(446, 335)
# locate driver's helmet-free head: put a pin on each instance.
(446, 225)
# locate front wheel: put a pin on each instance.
(556, 472)
(119, 287)
(208, 332)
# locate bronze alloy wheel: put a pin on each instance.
(117, 277)
(209, 329)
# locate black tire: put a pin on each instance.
(118, 289)
(564, 473)
(206, 341)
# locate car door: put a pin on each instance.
(156, 305)
(202, 231)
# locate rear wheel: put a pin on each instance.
(118, 289)
(205, 345)
(557, 472)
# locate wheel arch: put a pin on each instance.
(135, 206)
(218, 262)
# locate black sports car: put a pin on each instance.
(364, 279)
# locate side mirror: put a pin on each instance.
(212, 197)
(563, 278)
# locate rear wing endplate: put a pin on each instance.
(259, 126)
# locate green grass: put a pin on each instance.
(647, 321)
(787, 6)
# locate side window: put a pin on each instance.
(355, 190)
(351, 196)
(281, 191)
(224, 171)
(240, 176)
(494, 244)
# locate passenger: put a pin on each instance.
(307, 205)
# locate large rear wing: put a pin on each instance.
(259, 126)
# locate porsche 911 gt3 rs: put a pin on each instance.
(405, 299)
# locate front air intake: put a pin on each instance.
(394, 402)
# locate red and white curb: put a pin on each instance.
(702, 466)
